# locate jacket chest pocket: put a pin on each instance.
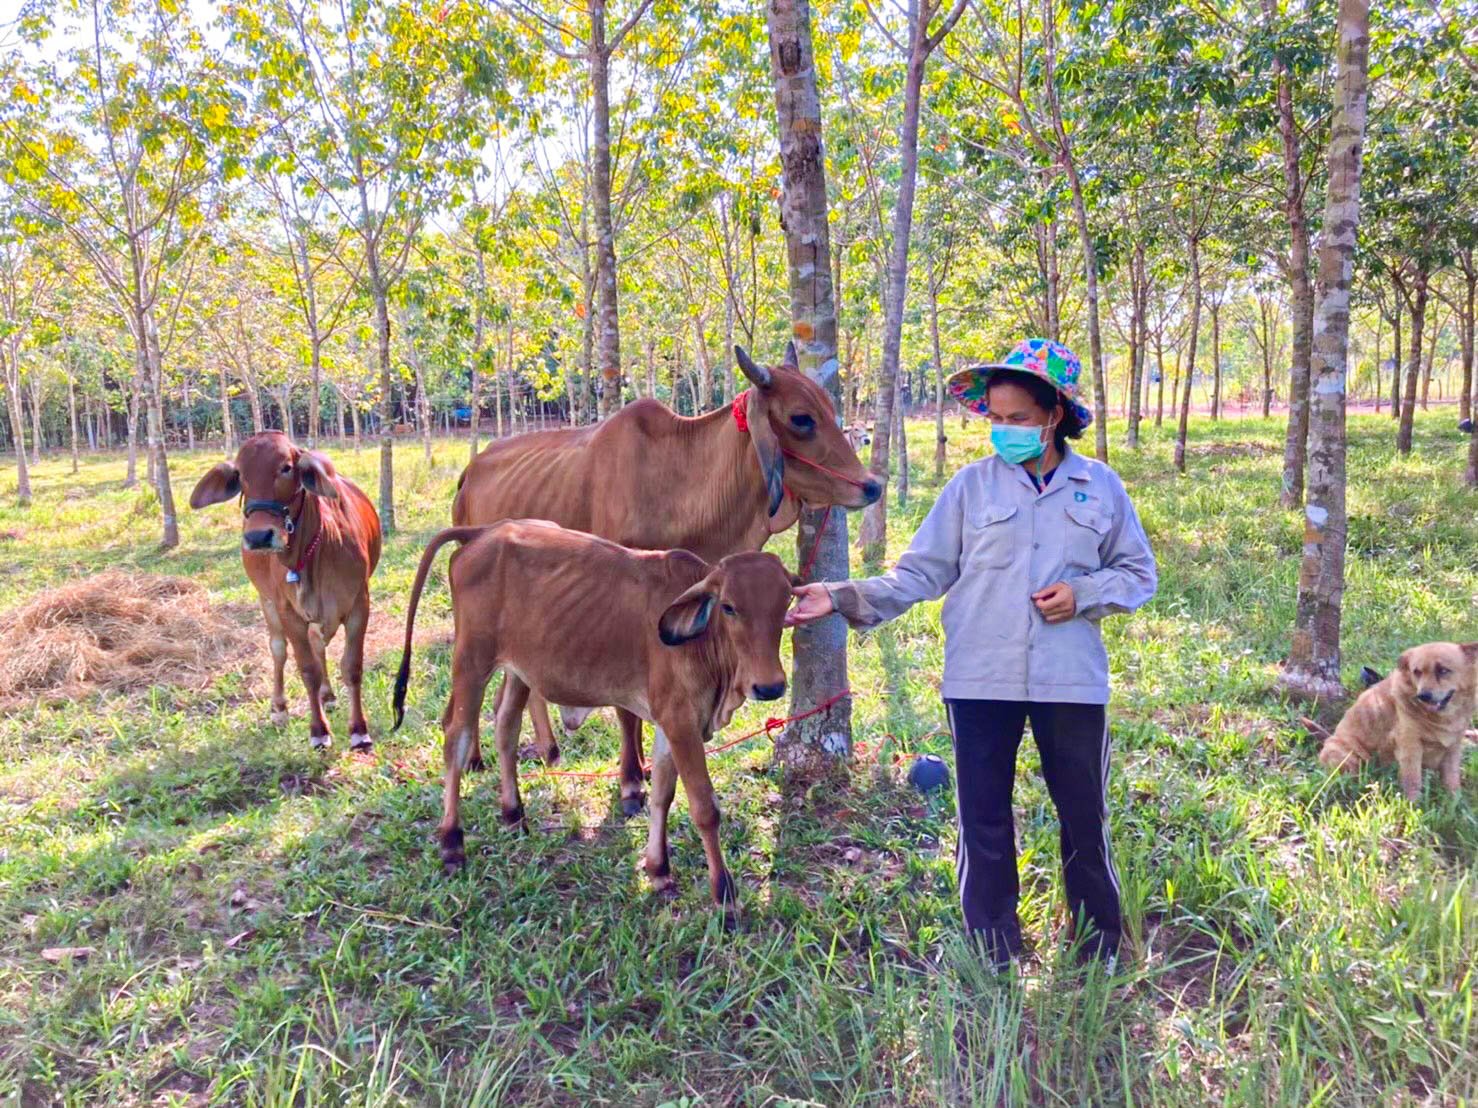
(990, 533)
(1084, 528)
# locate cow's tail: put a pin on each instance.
(403, 678)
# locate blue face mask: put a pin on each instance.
(1017, 443)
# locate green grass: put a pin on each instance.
(271, 926)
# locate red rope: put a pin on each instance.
(774, 723)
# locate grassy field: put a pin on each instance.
(269, 926)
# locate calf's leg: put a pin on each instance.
(277, 641)
(355, 624)
(544, 740)
(506, 727)
(664, 785)
(312, 674)
(633, 787)
(319, 642)
(459, 727)
(686, 744)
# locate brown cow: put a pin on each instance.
(714, 485)
(310, 540)
(662, 634)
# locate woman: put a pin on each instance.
(1034, 545)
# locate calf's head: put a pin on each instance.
(793, 427)
(273, 477)
(740, 606)
(1436, 673)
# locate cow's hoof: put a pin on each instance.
(514, 817)
(278, 717)
(730, 920)
(631, 806)
(361, 743)
(551, 756)
(322, 742)
(453, 853)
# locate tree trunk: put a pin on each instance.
(1267, 359)
(1380, 319)
(37, 439)
(608, 330)
(17, 424)
(189, 413)
(1296, 439)
(939, 440)
(1190, 366)
(72, 418)
(820, 649)
(873, 535)
(1396, 356)
(227, 430)
(705, 368)
(1466, 324)
(1437, 325)
(380, 295)
(315, 340)
(1160, 366)
(900, 432)
(1215, 361)
(1085, 235)
(1314, 656)
(1139, 339)
(157, 451)
(1414, 367)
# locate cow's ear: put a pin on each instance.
(792, 359)
(687, 617)
(318, 474)
(766, 448)
(221, 483)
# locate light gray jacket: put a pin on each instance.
(990, 541)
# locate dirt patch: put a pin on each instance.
(121, 632)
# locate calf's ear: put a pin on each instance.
(222, 482)
(318, 474)
(687, 617)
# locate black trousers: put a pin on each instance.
(1074, 743)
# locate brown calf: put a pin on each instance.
(310, 540)
(661, 634)
(717, 484)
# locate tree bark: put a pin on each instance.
(1414, 366)
(1396, 353)
(1215, 360)
(72, 419)
(1085, 234)
(157, 450)
(380, 295)
(939, 439)
(1190, 366)
(873, 535)
(1296, 438)
(900, 432)
(1466, 324)
(1160, 366)
(1314, 656)
(608, 330)
(820, 649)
(1139, 339)
(1437, 325)
(17, 424)
(38, 440)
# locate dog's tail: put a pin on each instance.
(1369, 677)
(1342, 751)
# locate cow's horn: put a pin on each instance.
(792, 359)
(824, 372)
(757, 374)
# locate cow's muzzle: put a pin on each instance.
(768, 692)
(263, 539)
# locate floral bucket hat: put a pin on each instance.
(1051, 361)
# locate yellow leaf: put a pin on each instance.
(216, 116)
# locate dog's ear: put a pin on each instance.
(1470, 651)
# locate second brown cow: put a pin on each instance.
(660, 634)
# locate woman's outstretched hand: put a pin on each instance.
(812, 602)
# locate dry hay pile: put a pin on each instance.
(120, 632)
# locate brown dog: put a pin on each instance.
(1416, 716)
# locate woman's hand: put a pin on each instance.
(1056, 602)
(812, 602)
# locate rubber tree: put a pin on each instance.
(1314, 656)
